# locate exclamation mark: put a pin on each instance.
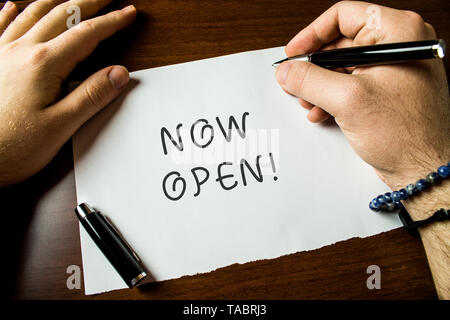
(273, 166)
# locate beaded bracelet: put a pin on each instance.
(411, 226)
(390, 201)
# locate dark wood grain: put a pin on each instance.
(43, 235)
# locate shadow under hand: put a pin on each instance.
(19, 209)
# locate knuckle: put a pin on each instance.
(39, 55)
(60, 8)
(27, 15)
(32, 12)
(298, 75)
(355, 93)
(38, 5)
(341, 3)
(430, 29)
(415, 26)
(9, 48)
(414, 17)
(32, 8)
(86, 26)
(116, 15)
(43, 6)
(344, 5)
(94, 96)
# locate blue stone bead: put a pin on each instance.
(390, 206)
(374, 205)
(403, 194)
(381, 200)
(432, 177)
(396, 196)
(444, 171)
(422, 184)
(410, 189)
(387, 197)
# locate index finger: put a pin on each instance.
(77, 43)
(345, 18)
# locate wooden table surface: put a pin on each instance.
(44, 237)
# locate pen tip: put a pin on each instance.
(278, 62)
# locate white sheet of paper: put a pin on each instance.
(320, 197)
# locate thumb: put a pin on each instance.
(88, 98)
(324, 88)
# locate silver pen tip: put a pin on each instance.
(83, 210)
(278, 62)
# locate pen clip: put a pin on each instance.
(108, 222)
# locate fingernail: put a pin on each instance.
(119, 77)
(128, 9)
(8, 5)
(282, 72)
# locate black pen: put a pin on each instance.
(374, 55)
(114, 247)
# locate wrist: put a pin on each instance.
(415, 169)
(424, 204)
(424, 189)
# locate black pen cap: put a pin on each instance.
(112, 244)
